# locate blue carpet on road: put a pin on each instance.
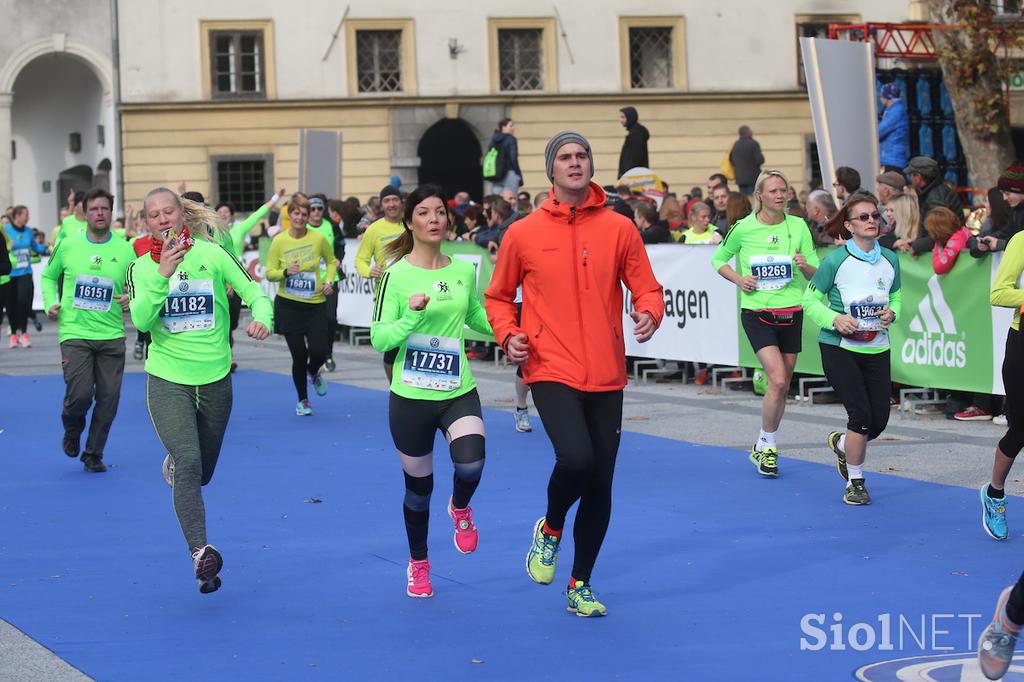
(707, 570)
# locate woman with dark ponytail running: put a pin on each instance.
(425, 300)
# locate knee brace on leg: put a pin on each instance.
(469, 471)
(468, 449)
(417, 492)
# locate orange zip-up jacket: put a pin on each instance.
(572, 262)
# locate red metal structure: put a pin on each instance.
(896, 41)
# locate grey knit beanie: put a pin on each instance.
(557, 142)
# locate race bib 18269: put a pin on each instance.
(772, 272)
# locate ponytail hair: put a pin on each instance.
(835, 227)
(200, 219)
(401, 246)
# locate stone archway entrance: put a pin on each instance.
(57, 110)
(450, 157)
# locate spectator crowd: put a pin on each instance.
(922, 213)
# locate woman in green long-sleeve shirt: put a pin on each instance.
(177, 292)
(424, 302)
(854, 296)
(233, 239)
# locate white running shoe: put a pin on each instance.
(168, 471)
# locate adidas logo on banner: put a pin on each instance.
(930, 329)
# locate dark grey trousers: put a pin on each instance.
(190, 422)
(91, 369)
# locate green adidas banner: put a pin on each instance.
(944, 337)
(948, 336)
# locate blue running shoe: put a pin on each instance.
(993, 515)
(997, 642)
(319, 384)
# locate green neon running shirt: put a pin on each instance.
(70, 227)
(187, 314)
(327, 230)
(767, 251)
(93, 274)
(237, 231)
(431, 362)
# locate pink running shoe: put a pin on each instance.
(24, 341)
(419, 579)
(207, 562)
(466, 537)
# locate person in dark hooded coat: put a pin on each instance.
(634, 148)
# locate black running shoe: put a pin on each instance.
(856, 493)
(833, 443)
(207, 562)
(140, 349)
(70, 445)
(93, 464)
(37, 324)
(330, 364)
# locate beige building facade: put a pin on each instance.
(219, 95)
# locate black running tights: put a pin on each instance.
(306, 360)
(584, 430)
(1013, 369)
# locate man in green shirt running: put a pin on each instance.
(371, 259)
(90, 314)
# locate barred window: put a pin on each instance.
(650, 57)
(238, 64)
(379, 61)
(520, 59)
(242, 181)
(1006, 6)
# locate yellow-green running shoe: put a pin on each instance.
(766, 462)
(540, 560)
(833, 443)
(582, 601)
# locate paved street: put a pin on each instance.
(923, 448)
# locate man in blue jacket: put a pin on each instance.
(893, 130)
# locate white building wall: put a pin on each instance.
(80, 33)
(731, 45)
(55, 96)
